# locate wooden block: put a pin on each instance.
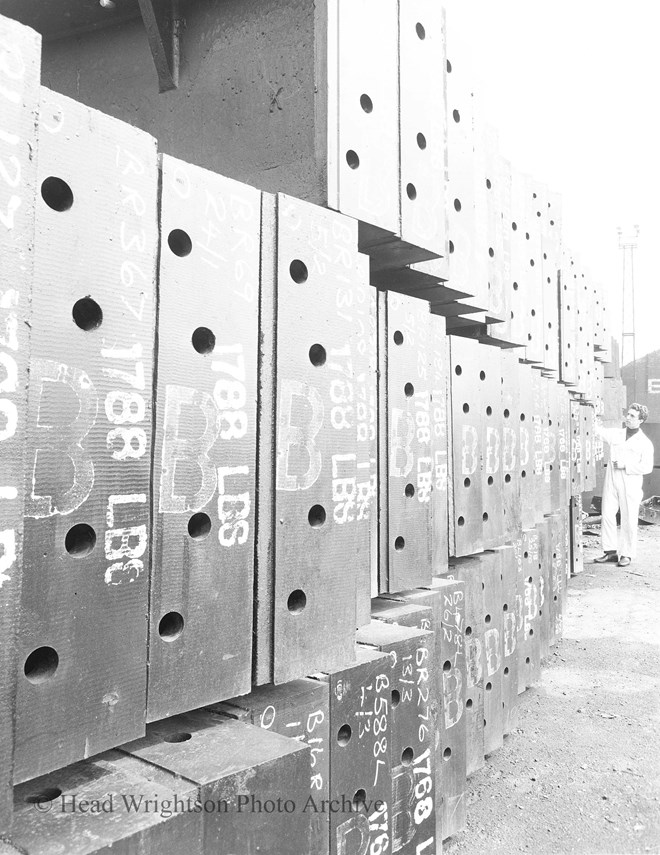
(205, 448)
(412, 755)
(440, 440)
(532, 257)
(20, 62)
(405, 426)
(509, 639)
(90, 424)
(557, 553)
(528, 496)
(444, 600)
(504, 330)
(461, 188)
(529, 649)
(495, 183)
(113, 803)
(511, 480)
(363, 135)
(492, 478)
(255, 783)
(577, 449)
(451, 772)
(539, 488)
(422, 130)
(564, 447)
(299, 710)
(468, 571)
(545, 603)
(576, 563)
(324, 453)
(467, 425)
(552, 455)
(493, 631)
(360, 768)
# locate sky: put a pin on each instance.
(573, 88)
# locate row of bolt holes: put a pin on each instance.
(88, 315)
(352, 157)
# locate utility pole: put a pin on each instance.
(628, 245)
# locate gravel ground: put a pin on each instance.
(582, 771)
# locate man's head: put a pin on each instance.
(636, 415)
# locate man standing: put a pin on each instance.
(631, 457)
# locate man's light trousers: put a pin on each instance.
(620, 492)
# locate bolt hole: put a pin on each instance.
(57, 194)
(398, 337)
(179, 242)
(399, 543)
(468, 630)
(409, 491)
(176, 738)
(491, 252)
(421, 32)
(396, 697)
(87, 314)
(421, 141)
(469, 704)
(527, 660)
(523, 474)
(317, 355)
(344, 734)
(505, 607)
(366, 103)
(199, 525)
(80, 540)
(41, 664)
(446, 753)
(482, 375)
(490, 481)
(47, 795)
(489, 411)
(458, 370)
(203, 340)
(507, 478)
(447, 667)
(170, 626)
(316, 516)
(506, 670)
(409, 390)
(451, 246)
(466, 408)
(298, 271)
(506, 414)
(407, 756)
(359, 800)
(352, 159)
(457, 116)
(457, 205)
(466, 482)
(296, 602)
(411, 190)
(484, 516)
(489, 688)
(461, 521)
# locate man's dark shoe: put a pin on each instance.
(605, 558)
(624, 561)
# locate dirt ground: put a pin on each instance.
(582, 771)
